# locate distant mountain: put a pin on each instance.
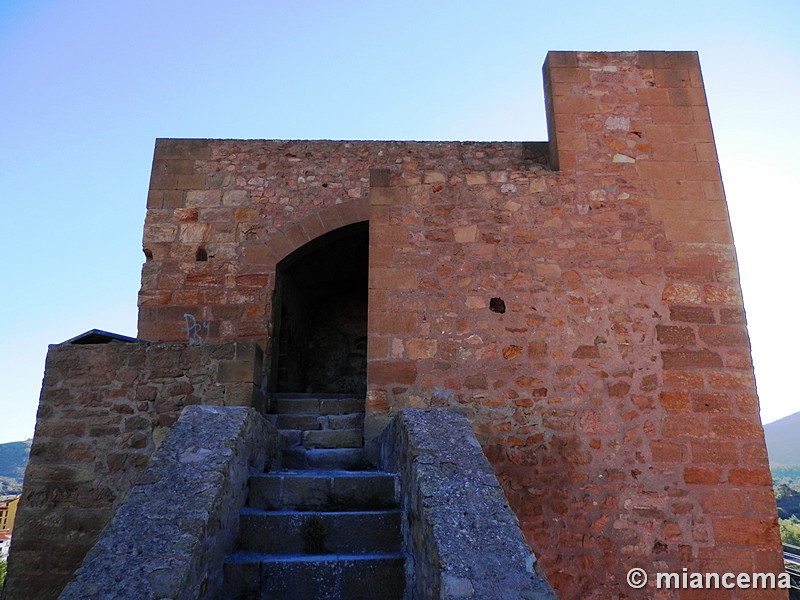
(783, 440)
(13, 459)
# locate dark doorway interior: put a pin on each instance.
(320, 308)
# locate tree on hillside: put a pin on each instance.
(790, 530)
(785, 474)
(782, 490)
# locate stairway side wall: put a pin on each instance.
(191, 493)
(462, 539)
(583, 307)
(103, 411)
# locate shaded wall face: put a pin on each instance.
(320, 339)
(588, 319)
(102, 412)
(290, 341)
(338, 344)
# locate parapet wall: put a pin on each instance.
(103, 411)
(171, 534)
(462, 539)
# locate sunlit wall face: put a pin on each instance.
(88, 88)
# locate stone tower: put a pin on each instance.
(577, 298)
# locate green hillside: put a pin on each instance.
(783, 446)
(13, 458)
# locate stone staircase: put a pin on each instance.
(324, 527)
(320, 432)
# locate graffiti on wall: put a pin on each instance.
(196, 333)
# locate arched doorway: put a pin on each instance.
(320, 315)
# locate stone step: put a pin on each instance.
(317, 422)
(326, 438)
(333, 438)
(320, 395)
(323, 490)
(322, 577)
(324, 528)
(315, 532)
(345, 459)
(290, 437)
(317, 406)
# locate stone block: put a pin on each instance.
(379, 178)
(466, 234)
(575, 104)
(241, 370)
(331, 218)
(341, 438)
(388, 372)
(158, 233)
(393, 278)
(304, 493)
(312, 227)
(259, 254)
(662, 169)
(346, 532)
(386, 195)
(203, 198)
(243, 394)
(295, 421)
(345, 421)
(290, 438)
(310, 577)
(296, 405)
(476, 178)
(334, 458)
(365, 490)
(236, 198)
(266, 491)
(340, 406)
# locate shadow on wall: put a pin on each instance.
(320, 308)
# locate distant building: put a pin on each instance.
(5, 543)
(8, 511)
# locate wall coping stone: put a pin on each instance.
(464, 540)
(169, 537)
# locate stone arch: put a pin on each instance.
(289, 239)
(319, 303)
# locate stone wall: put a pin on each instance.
(578, 299)
(462, 539)
(103, 410)
(170, 536)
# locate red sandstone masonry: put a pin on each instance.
(614, 396)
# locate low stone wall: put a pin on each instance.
(103, 410)
(463, 538)
(170, 536)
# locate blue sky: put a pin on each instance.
(86, 87)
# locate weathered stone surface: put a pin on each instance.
(103, 411)
(465, 541)
(169, 537)
(300, 490)
(355, 577)
(314, 533)
(350, 532)
(333, 438)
